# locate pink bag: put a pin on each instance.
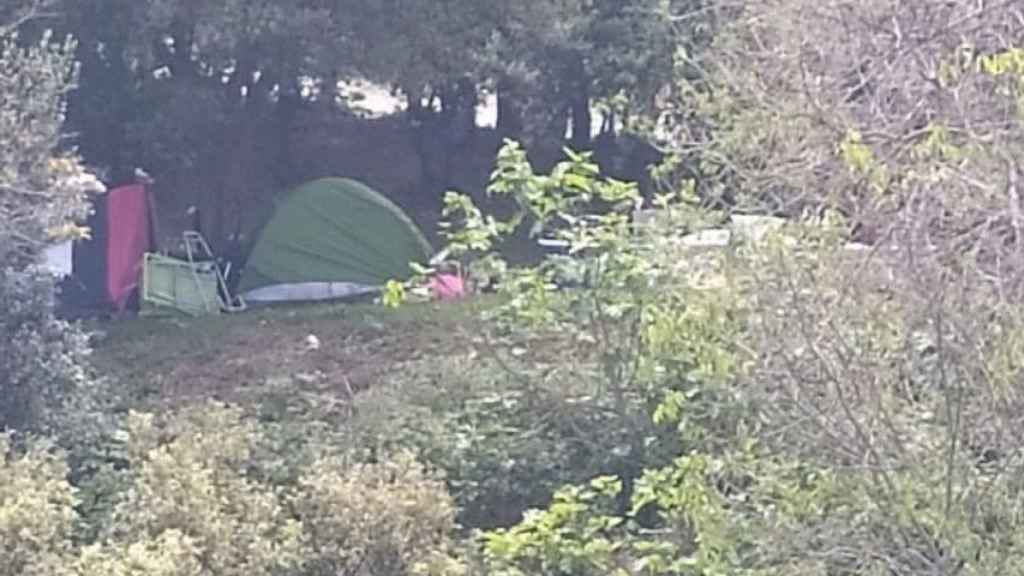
(448, 287)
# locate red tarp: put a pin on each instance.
(127, 241)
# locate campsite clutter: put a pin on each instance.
(104, 270)
(332, 238)
(328, 239)
(448, 285)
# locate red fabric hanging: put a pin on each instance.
(127, 242)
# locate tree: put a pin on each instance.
(203, 95)
(200, 94)
(562, 57)
(884, 368)
(108, 98)
(42, 190)
(858, 412)
(43, 193)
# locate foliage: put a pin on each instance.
(195, 496)
(199, 93)
(41, 363)
(889, 398)
(854, 412)
(782, 86)
(171, 554)
(898, 459)
(418, 45)
(646, 341)
(553, 56)
(792, 404)
(883, 364)
(188, 482)
(876, 437)
(592, 339)
(43, 192)
(389, 517)
(572, 536)
(37, 516)
(503, 448)
(196, 93)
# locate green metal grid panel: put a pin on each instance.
(172, 284)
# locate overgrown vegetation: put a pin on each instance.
(832, 393)
(196, 496)
(42, 193)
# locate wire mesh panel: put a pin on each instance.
(173, 284)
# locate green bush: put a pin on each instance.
(864, 428)
(390, 517)
(42, 195)
(37, 517)
(42, 359)
(194, 497)
(577, 534)
(170, 554)
(841, 410)
(580, 350)
(502, 449)
(191, 478)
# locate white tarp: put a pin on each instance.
(57, 259)
(308, 291)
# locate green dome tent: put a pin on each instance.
(331, 238)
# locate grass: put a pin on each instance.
(173, 360)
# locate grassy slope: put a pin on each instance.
(174, 360)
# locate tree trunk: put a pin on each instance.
(423, 121)
(580, 107)
(458, 113)
(414, 109)
(238, 151)
(510, 112)
(183, 29)
(287, 109)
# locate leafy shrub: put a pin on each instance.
(864, 422)
(190, 483)
(43, 193)
(503, 449)
(170, 554)
(577, 534)
(867, 434)
(588, 343)
(844, 409)
(390, 517)
(37, 517)
(200, 493)
(886, 368)
(206, 480)
(42, 360)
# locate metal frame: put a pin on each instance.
(194, 241)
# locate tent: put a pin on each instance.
(331, 238)
(106, 268)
